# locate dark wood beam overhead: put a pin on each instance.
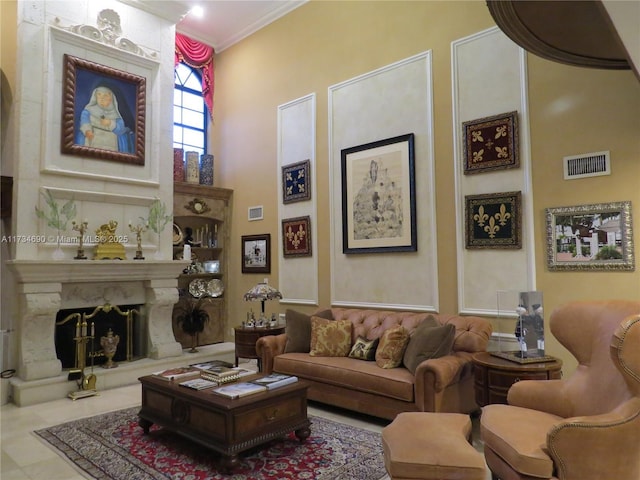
(576, 33)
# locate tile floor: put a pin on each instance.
(25, 457)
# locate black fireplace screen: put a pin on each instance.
(125, 327)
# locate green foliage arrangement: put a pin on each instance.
(158, 216)
(192, 318)
(609, 253)
(56, 217)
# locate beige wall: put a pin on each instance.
(577, 110)
(572, 111)
(314, 47)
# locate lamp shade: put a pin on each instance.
(262, 291)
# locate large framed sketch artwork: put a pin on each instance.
(378, 197)
(103, 112)
(590, 237)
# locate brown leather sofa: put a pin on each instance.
(443, 384)
(584, 427)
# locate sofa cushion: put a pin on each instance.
(364, 349)
(298, 330)
(391, 347)
(349, 373)
(330, 338)
(428, 342)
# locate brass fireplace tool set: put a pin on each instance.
(86, 383)
(85, 332)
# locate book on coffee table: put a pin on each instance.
(212, 364)
(177, 373)
(237, 390)
(220, 374)
(224, 374)
(276, 380)
(198, 384)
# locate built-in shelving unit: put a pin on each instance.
(201, 217)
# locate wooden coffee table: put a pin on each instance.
(227, 426)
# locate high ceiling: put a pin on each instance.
(224, 22)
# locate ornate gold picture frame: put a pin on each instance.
(590, 237)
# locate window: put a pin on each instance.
(189, 111)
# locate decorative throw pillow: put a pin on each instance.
(428, 342)
(298, 330)
(391, 347)
(364, 349)
(330, 338)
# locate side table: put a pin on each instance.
(494, 376)
(246, 338)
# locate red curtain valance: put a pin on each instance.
(200, 56)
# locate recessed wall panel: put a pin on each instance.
(489, 78)
(391, 101)
(298, 275)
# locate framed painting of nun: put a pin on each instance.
(103, 112)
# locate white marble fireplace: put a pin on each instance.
(103, 189)
(45, 287)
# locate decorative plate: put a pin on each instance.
(215, 287)
(198, 287)
(177, 235)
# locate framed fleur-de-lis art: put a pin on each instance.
(491, 143)
(493, 220)
(296, 182)
(296, 237)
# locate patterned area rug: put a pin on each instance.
(112, 446)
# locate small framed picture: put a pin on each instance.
(296, 237)
(491, 143)
(256, 253)
(296, 182)
(211, 266)
(493, 220)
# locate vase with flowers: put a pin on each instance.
(57, 217)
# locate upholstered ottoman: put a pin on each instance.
(431, 446)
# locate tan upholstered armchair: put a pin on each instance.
(587, 426)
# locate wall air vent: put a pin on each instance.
(255, 213)
(587, 165)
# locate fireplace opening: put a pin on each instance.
(104, 323)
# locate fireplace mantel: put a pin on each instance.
(38, 271)
(45, 287)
